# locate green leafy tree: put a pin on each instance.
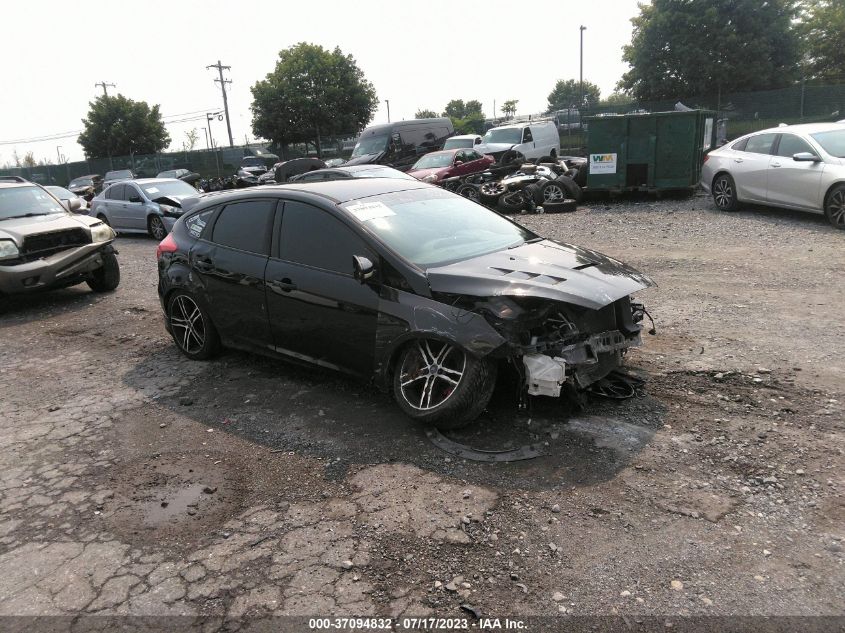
(425, 114)
(821, 28)
(568, 93)
(117, 126)
(617, 99)
(509, 108)
(312, 92)
(467, 118)
(472, 108)
(704, 47)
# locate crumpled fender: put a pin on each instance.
(404, 316)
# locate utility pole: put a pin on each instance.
(105, 87)
(220, 68)
(387, 101)
(581, 80)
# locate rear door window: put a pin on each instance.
(245, 226)
(115, 192)
(761, 144)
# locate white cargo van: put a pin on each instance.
(532, 139)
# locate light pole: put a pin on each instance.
(387, 101)
(59, 153)
(581, 80)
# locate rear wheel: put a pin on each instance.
(511, 202)
(572, 189)
(724, 193)
(191, 328)
(439, 383)
(550, 191)
(156, 228)
(107, 277)
(468, 191)
(490, 192)
(834, 208)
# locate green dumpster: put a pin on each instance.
(656, 152)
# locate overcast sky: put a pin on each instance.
(418, 55)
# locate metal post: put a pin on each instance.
(803, 83)
(581, 80)
(387, 101)
(220, 68)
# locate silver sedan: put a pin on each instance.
(798, 167)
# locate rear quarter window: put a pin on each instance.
(197, 223)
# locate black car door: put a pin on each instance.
(230, 265)
(318, 311)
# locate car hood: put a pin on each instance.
(80, 188)
(173, 201)
(18, 228)
(548, 269)
(422, 173)
(493, 148)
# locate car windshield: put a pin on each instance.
(252, 162)
(61, 193)
(431, 226)
(169, 188)
(833, 142)
(431, 161)
(510, 135)
(24, 201)
(81, 182)
(457, 143)
(115, 175)
(370, 145)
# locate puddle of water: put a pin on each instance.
(178, 501)
(611, 433)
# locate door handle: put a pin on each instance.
(775, 164)
(737, 160)
(203, 264)
(285, 284)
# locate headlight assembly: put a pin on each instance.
(8, 249)
(101, 232)
(429, 178)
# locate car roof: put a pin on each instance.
(150, 181)
(352, 169)
(444, 152)
(805, 128)
(462, 136)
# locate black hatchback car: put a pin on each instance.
(419, 288)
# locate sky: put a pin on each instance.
(417, 55)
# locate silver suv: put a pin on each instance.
(43, 246)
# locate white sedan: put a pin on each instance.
(798, 167)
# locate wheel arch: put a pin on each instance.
(829, 191)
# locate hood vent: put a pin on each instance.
(522, 275)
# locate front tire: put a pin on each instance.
(191, 328)
(107, 277)
(724, 193)
(834, 208)
(156, 228)
(439, 383)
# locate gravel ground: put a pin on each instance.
(137, 482)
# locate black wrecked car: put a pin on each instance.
(421, 289)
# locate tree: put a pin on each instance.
(457, 109)
(568, 93)
(617, 99)
(509, 107)
(312, 92)
(821, 28)
(707, 47)
(191, 139)
(117, 126)
(29, 160)
(425, 114)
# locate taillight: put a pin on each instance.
(167, 245)
(706, 156)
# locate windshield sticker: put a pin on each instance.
(152, 190)
(367, 211)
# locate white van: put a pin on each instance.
(532, 139)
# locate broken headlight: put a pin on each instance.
(8, 249)
(170, 211)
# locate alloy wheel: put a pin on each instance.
(553, 193)
(157, 228)
(723, 193)
(836, 209)
(187, 324)
(431, 372)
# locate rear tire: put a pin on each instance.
(107, 277)
(441, 384)
(572, 189)
(511, 202)
(834, 208)
(566, 206)
(191, 327)
(724, 193)
(468, 191)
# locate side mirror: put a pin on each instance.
(73, 205)
(363, 268)
(458, 162)
(135, 199)
(806, 157)
(478, 141)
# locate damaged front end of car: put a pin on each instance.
(566, 315)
